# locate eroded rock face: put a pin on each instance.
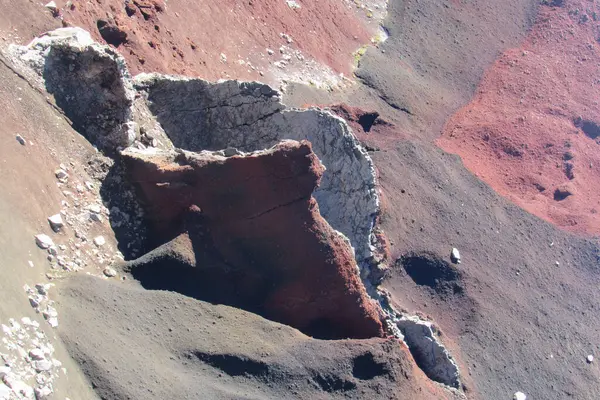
(198, 115)
(251, 229)
(90, 83)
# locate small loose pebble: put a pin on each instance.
(61, 174)
(590, 359)
(519, 396)
(21, 140)
(56, 222)
(99, 241)
(53, 322)
(110, 272)
(455, 256)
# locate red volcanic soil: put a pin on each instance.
(188, 37)
(531, 130)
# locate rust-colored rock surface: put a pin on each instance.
(531, 132)
(221, 38)
(255, 236)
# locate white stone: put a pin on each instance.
(53, 322)
(30, 263)
(61, 174)
(43, 241)
(99, 241)
(110, 272)
(590, 359)
(37, 354)
(43, 392)
(95, 208)
(56, 222)
(50, 312)
(42, 365)
(519, 396)
(51, 5)
(455, 255)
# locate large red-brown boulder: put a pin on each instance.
(255, 235)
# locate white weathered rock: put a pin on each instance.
(437, 363)
(42, 392)
(43, 241)
(455, 256)
(519, 396)
(61, 174)
(110, 272)
(36, 354)
(42, 365)
(99, 241)
(590, 359)
(51, 6)
(53, 322)
(21, 140)
(56, 222)
(94, 208)
(50, 312)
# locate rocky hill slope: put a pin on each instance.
(176, 237)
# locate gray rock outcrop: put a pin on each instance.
(92, 85)
(198, 115)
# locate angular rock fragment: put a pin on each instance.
(43, 241)
(429, 353)
(248, 233)
(56, 222)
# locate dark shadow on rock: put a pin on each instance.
(126, 215)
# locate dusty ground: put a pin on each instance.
(523, 132)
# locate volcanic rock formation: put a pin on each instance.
(257, 236)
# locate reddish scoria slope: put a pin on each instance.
(530, 131)
(189, 37)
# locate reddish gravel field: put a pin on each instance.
(532, 129)
(219, 39)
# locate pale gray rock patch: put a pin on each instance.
(43, 241)
(429, 352)
(89, 81)
(199, 115)
(99, 241)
